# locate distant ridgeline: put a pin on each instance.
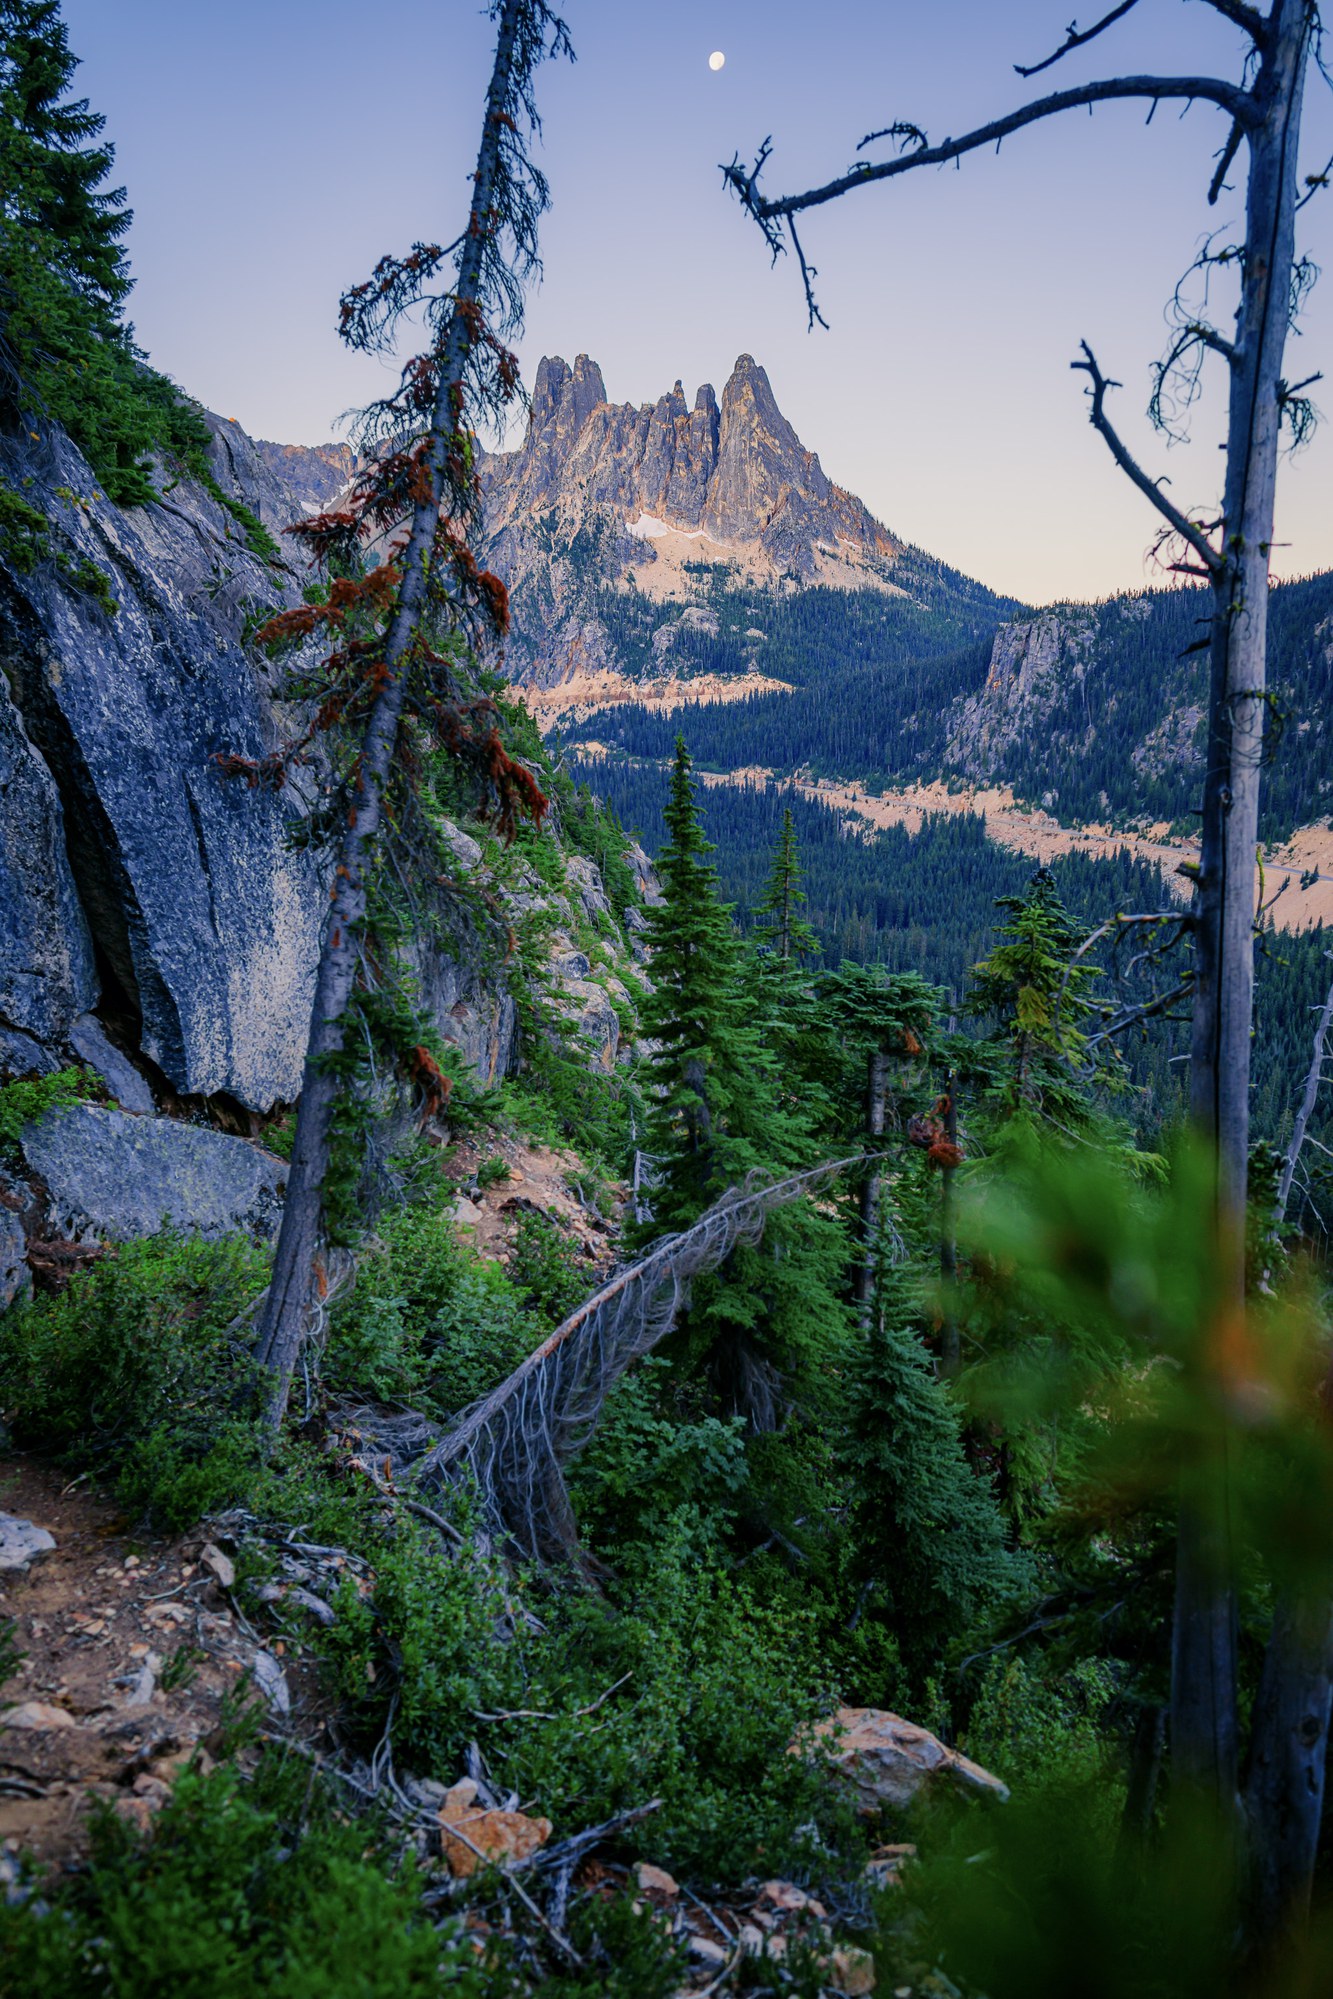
(1094, 711)
(674, 558)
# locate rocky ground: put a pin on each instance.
(136, 1659)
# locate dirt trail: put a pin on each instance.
(131, 1651)
(1027, 829)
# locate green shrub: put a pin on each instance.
(133, 1368)
(31, 1097)
(547, 1268)
(258, 1888)
(426, 1319)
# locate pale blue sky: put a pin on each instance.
(273, 149)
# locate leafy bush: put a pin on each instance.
(426, 1318)
(31, 1097)
(547, 1268)
(133, 1367)
(259, 1888)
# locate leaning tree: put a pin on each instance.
(397, 687)
(1229, 551)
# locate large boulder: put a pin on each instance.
(884, 1760)
(111, 1175)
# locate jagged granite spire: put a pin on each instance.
(738, 475)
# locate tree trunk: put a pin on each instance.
(1203, 1693)
(1310, 1097)
(877, 1093)
(292, 1289)
(950, 1349)
(1284, 1794)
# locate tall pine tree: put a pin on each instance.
(69, 354)
(784, 929)
(762, 1335)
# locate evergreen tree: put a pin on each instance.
(785, 931)
(64, 279)
(704, 1061)
(763, 1334)
(1033, 991)
(930, 1543)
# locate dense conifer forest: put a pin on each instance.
(878, 700)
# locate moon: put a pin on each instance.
(716, 60)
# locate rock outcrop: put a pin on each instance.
(734, 474)
(110, 1175)
(132, 875)
(137, 885)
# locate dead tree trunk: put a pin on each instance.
(1203, 1698)
(295, 1284)
(1232, 555)
(1310, 1097)
(877, 1097)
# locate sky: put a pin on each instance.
(274, 149)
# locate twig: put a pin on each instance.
(1075, 40)
(435, 1519)
(541, 1714)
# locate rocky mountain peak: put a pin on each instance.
(733, 478)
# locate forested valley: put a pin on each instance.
(611, 1381)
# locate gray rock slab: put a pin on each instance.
(46, 958)
(21, 1543)
(113, 1175)
(88, 1039)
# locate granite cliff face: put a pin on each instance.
(608, 496)
(143, 897)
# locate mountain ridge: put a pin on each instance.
(628, 536)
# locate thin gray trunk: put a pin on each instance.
(1203, 1691)
(877, 1095)
(1313, 1079)
(950, 1348)
(292, 1294)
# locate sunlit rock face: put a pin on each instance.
(606, 495)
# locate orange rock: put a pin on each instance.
(496, 1836)
(887, 1761)
(655, 1882)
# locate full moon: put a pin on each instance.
(716, 60)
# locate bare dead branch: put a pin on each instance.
(1152, 1009)
(1075, 40)
(1224, 159)
(1249, 18)
(1206, 89)
(1129, 465)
